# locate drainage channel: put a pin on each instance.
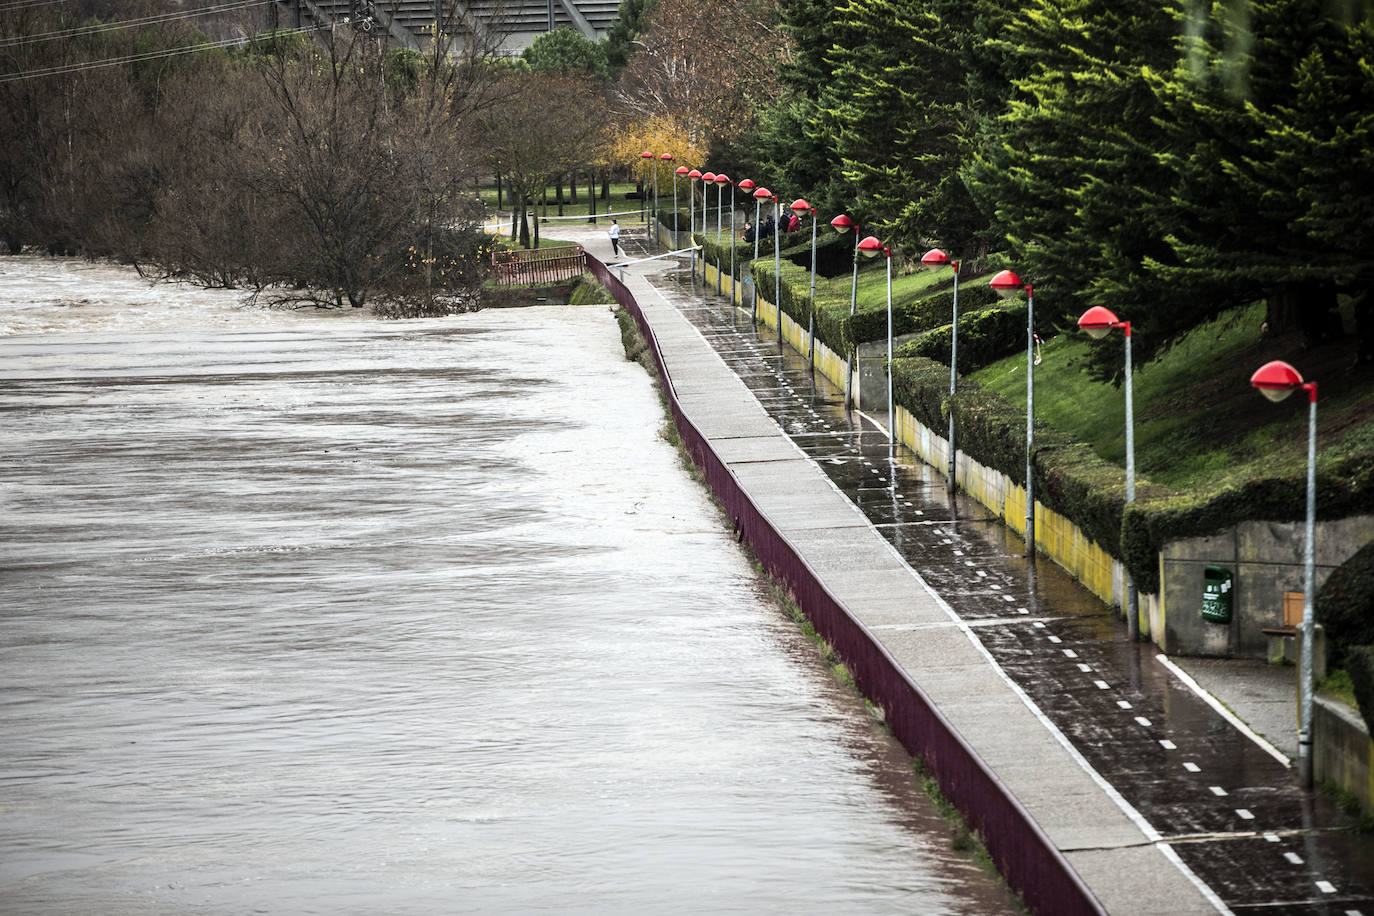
(1200, 788)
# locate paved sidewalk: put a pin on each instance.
(1155, 798)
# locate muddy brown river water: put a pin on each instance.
(306, 613)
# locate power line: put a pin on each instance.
(19, 40)
(134, 58)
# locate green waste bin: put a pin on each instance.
(1216, 594)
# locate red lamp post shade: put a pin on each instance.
(666, 157)
(747, 185)
(709, 176)
(1006, 283)
(1098, 321)
(646, 155)
(694, 174)
(682, 170)
(763, 194)
(842, 223)
(1276, 380)
(722, 179)
(801, 206)
(935, 258)
(871, 247)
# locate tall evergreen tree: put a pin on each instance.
(1069, 167)
(1241, 175)
(897, 106)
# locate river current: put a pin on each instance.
(310, 613)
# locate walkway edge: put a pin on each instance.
(1023, 853)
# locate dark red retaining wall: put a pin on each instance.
(1022, 852)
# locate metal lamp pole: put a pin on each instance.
(870, 247)
(937, 258)
(760, 195)
(1007, 283)
(721, 181)
(1098, 322)
(680, 170)
(777, 261)
(843, 224)
(1277, 380)
(800, 206)
(644, 158)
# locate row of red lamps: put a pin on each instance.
(1276, 380)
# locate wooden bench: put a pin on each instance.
(1283, 641)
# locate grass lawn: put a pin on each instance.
(1198, 423)
(615, 202)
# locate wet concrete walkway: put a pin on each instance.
(1156, 797)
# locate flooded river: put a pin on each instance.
(306, 613)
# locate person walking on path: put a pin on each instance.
(614, 233)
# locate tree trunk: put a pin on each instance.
(606, 185)
(591, 198)
(558, 192)
(518, 203)
(498, 191)
(572, 188)
(1312, 311)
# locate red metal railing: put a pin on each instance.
(1024, 854)
(541, 265)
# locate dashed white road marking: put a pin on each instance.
(1069, 653)
(1293, 857)
(1225, 713)
(1194, 768)
(1124, 704)
(1168, 745)
(1040, 624)
(1103, 685)
(1084, 668)
(1218, 791)
(1055, 639)
(1245, 814)
(1326, 887)
(1142, 721)
(1272, 837)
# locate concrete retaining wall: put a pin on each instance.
(1343, 753)
(1265, 559)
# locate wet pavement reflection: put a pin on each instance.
(1231, 811)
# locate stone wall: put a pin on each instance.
(1265, 561)
(1343, 754)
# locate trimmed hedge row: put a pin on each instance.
(1069, 477)
(1071, 480)
(1345, 604)
(1359, 664)
(984, 337)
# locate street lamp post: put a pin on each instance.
(843, 224)
(777, 263)
(706, 181)
(1277, 380)
(1099, 322)
(682, 171)
(937, 258)
(800, 206)
(760, 195)
(693, 175)
(747, 186)
(1006, 284)
(870, 247)
(663, 157)
(721, 181)
(644, 158)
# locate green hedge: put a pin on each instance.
(1069, 477)
(1345, 486)
(1359, 664)
(985, 336)
(1071, 480)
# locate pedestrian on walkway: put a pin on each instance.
(614, 233)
